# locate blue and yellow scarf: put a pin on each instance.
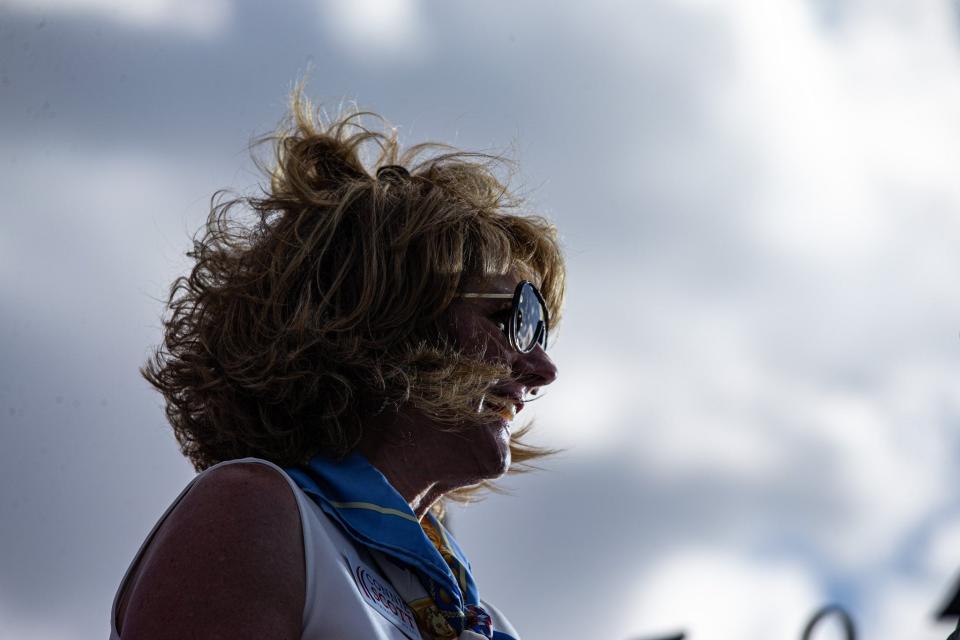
(373, 514)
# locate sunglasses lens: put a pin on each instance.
(530, 320)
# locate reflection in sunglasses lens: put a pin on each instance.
(529, 317)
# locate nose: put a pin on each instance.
(535, 368)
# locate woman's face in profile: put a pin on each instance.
(476, 326)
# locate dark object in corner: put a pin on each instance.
(951, 610)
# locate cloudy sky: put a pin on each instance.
(759, 384)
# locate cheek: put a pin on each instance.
(476, 335)
(489, 344)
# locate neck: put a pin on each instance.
(394, 444)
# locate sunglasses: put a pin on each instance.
(528, 322)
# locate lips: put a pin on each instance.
(510, 411)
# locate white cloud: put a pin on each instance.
(942, 557)
(843, 123)
(376, 31)
(713, 594)
(115, 233)
(829, 375)
(851, 472)
(201, 18)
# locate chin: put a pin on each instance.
(493, 455)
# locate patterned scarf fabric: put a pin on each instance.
(421, 560)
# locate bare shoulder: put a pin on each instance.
(227, 562)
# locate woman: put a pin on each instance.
(338, 368)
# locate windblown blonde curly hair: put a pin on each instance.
(326, 304)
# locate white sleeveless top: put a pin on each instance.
(347, 595)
